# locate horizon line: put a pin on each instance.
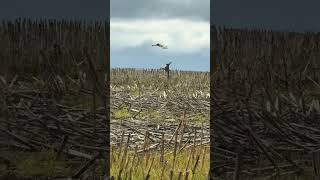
(181, 70)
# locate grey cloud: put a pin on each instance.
(74, 9)
(294, 15)
(196, 9)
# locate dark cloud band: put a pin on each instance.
(293, 15)
(69, 9)
(195, 9)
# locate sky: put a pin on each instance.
(182, 25)
(58, 9)
(281, 15)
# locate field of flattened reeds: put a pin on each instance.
(265, 109)
(160, 127)
(53, 120)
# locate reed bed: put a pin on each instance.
(264, 104)
(163, 163)
(48, 46)
(167, 122)
(48, 70)
(51, 84)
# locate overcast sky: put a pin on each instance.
(293, 15)
(70, 9)
(182, 25)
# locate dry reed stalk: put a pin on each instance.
(174, 156)
(202, 148)
(201, 136)
(188, 162)
(183, 127)
(163, 169)
(195, 166)
(94, 108)
(112, 153)
(194, 144)
(162, 149)
(204, 156)
(171, 174)
(180, 175)
(139, 159)
(186, 177)
(175, 132)
(124, 157)
(181, 136)
(62, 146)
(149, 169)
(126, 166)
(126, 147)
(145, 146)
(133, 159)
(120, 145)
(238, 164)
(86, 166)
(185, 145)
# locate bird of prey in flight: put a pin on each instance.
(160, 45)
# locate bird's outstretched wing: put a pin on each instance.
(160, 45)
